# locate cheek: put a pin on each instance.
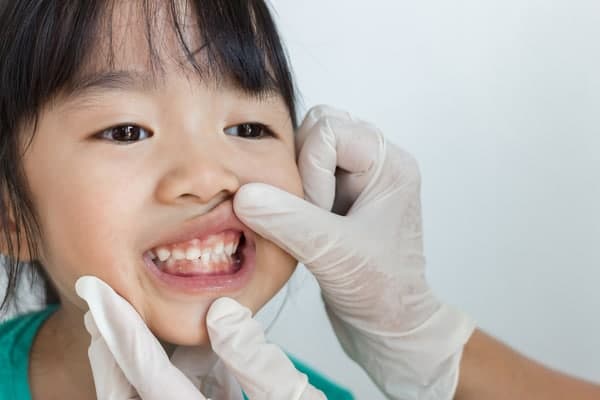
(82, 240)
(276, 268)
(276, 167)
(86, 230)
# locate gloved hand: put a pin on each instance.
(367, 255)
(128, 362)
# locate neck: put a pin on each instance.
(59, 363)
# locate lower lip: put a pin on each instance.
(208, 283)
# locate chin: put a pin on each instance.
(188, 336)
(185, 324)
(181, 328)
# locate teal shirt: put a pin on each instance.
(16, 338)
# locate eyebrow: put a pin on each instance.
(90, 84)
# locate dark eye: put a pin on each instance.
(125, 133)
(250, 131)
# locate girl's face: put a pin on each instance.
(103, 202)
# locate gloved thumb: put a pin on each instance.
(261, 368)
(310, 234)
(120, 336)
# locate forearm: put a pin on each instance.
(491, 370)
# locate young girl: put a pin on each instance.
(125, 129)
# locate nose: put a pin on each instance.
(197, 173)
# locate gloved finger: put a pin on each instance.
(134, 348)
(262, 369)
(331, 144)
(110, 382)
(310, 234)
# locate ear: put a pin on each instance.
(13, 234)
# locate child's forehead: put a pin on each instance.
(130, 37)
(161, 40)
(140, 49)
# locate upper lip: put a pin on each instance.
(220, 219)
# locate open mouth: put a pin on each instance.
(220, 254)
(223, 261)
(210, 252)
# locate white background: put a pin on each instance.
(499, 101)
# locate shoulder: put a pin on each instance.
(16, 338)
(20, 331)
(332, 390)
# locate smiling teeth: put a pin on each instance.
(217, 253)
(163, 254)
(178, 254)
(205, 256)
(193, 253)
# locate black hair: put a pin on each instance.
(44, 45)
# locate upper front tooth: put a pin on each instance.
(178, 254)
(163, 254)
(219, 248)
(205, 256)
(193, 253)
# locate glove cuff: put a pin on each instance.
(419, 364)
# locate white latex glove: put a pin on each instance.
(128, 362)
(367, 256)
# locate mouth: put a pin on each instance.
(206, 258)
(224, 273)
(219, 254)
